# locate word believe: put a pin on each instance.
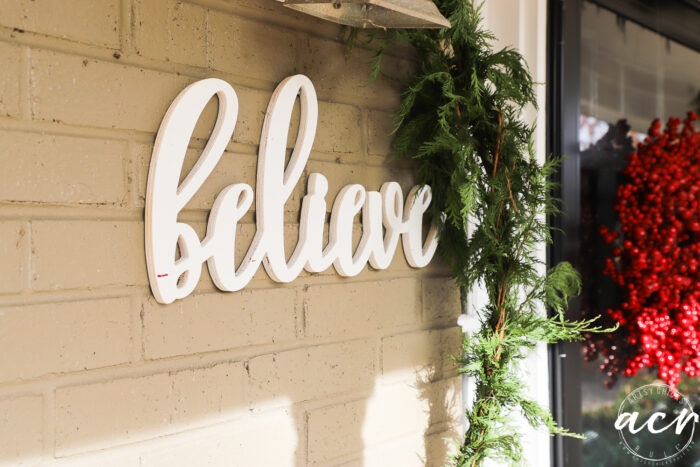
(385, 218)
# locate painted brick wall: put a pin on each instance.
(322, 371)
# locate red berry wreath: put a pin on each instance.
(656, 259)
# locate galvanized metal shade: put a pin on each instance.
(374, 13)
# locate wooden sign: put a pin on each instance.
(385, 216)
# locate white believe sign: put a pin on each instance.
(385, 218)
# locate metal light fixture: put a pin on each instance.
(374, 13)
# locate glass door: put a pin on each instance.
(615, 67)
(629, 76)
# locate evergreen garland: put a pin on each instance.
(460, 120)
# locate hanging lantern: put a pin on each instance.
(374, 13)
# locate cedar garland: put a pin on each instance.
(460, 120)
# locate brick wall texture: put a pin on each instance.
(322, 371)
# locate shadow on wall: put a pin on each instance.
(381, 400)
(400, 424)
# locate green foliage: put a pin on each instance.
(460, 120)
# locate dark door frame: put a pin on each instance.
(675, 19)
(563, 76)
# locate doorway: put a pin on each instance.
(614, 66)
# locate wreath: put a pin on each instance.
(655, 259)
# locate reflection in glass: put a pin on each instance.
(629, 76)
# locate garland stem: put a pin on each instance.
(490, 199)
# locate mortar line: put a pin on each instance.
(49, 422)
(145, 137)
(28, 247)
(364, 135)
(205, 287)
(64, 46)
(193, 361)
(125, 26)
(137, 328)
(25, 83)
(132, 175)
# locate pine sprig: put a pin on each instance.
(460, 120)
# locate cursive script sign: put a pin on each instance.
(385, 217)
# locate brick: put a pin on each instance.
(71, 254)
(71, 89)
(338, 74)
(207, 395)
(398, 410)
(379, 132)
(248, 48)
(252, 105)
(244, 237)
(415, 449)
(339, 129)
(251, 115)
(13, 237)
(440, 446)
(441, 299)
(21, 432)
(335, 431)
(311, 372)
(61, 169)
(394, 411)
(140, 155)
(138, 99)
(10, 57)
(406, 451)
(352, 463)
(444, 398)
(108, 458)
(102, 415)
(372, 178)
(90, 21)
(218, 321)
(171, 30)
(231, 168)
(63, 337)
(423, 351)
(437, 266)
(244, 442)
(360, 308)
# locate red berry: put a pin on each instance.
(658, 262)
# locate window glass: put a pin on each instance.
(630, 75)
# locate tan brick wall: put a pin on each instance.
(323, 371)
